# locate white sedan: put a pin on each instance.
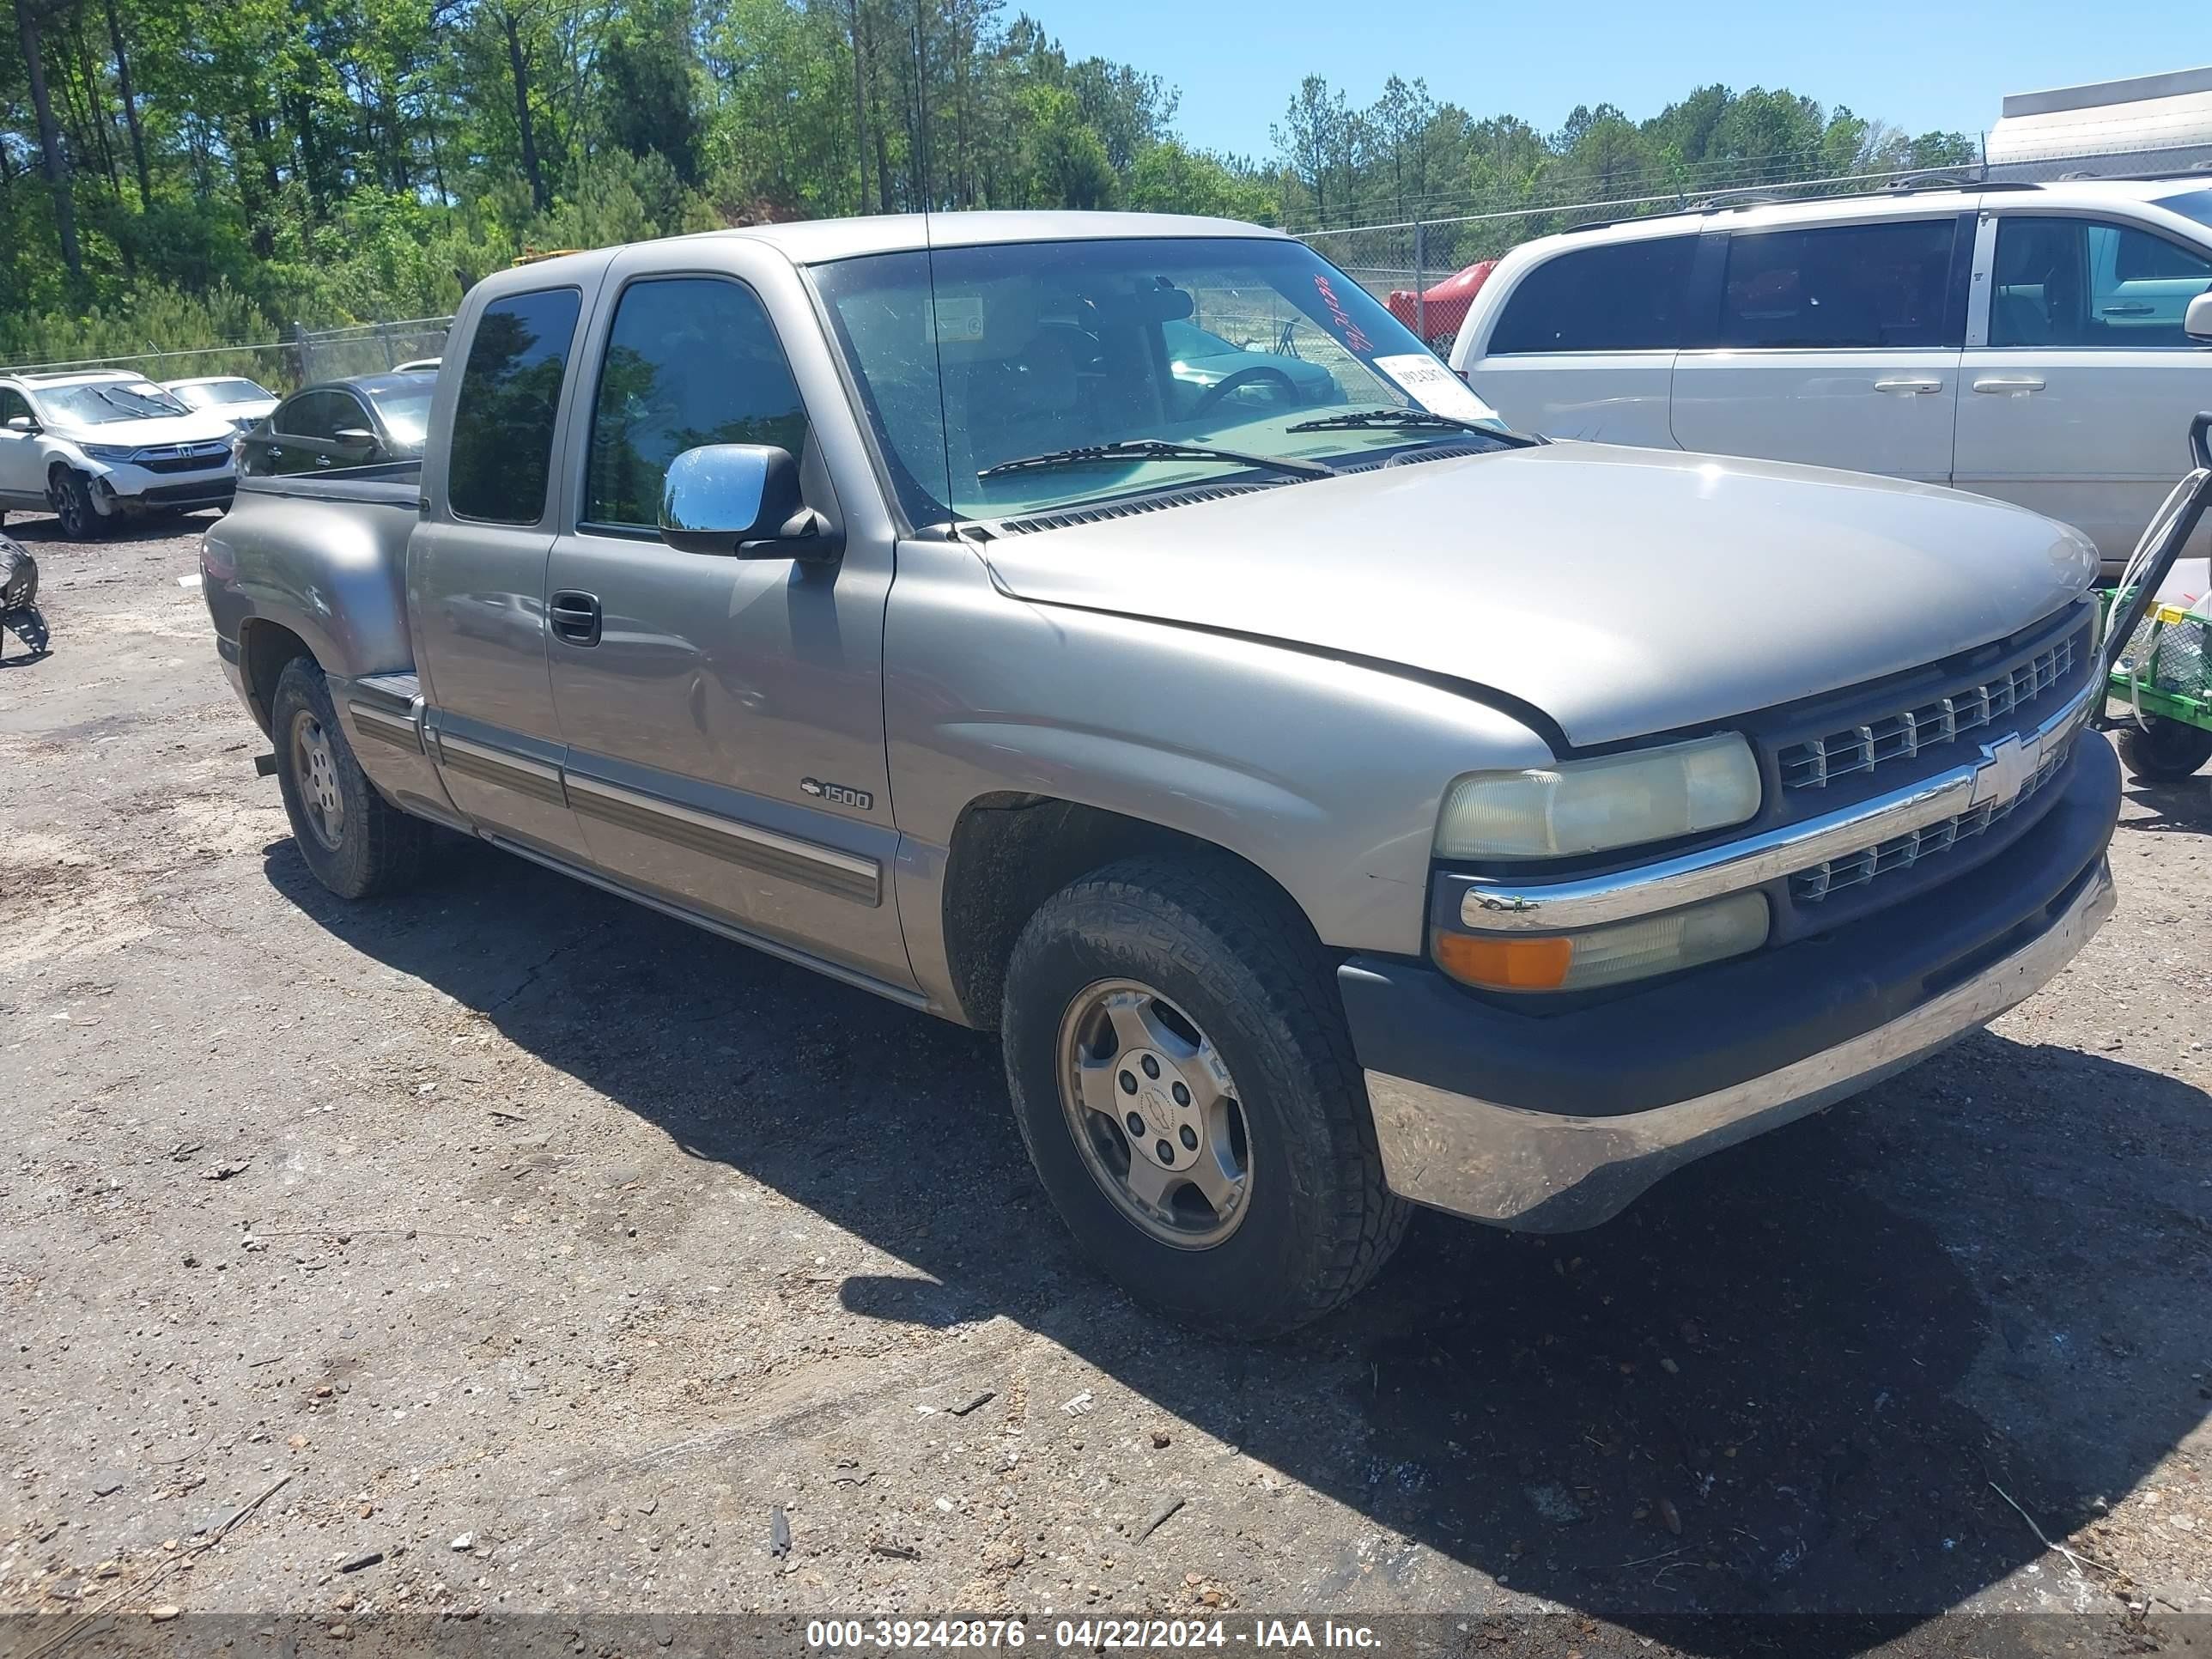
(244, 404)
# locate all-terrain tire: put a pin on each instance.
(1228, 951)
(369, 846)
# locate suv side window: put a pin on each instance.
(689, 360)
(14, 405)
(1616, 296)
(1837, 286)
(502, 444)
(2086, 283)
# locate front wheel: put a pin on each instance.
(2165, 750)
(1182, 1079)
(356, 842)
(71, 499)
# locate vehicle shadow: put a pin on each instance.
(44, 531)
(2185, 805)
(1790, 1380)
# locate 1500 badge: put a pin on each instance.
(860, 800)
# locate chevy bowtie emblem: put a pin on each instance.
(2007, 766)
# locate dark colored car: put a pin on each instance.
(369, 419)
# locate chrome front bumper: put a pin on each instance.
(1539, 1172)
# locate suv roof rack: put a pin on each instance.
(1733, 200)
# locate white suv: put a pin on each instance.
(2045, 344)
(100, 447)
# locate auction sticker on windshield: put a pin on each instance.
(1435, 387)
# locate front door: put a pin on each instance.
(1836, 345)
(23, 471)
(724, 716)
(476, 577)
(2080, 381)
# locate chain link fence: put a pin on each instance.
(282, 366)
(337, 354)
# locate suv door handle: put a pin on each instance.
(2009, 383)
(1910, 384)
(2127, 310)
(575, 616)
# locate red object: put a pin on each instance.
(1445, 304)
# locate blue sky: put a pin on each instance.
(1939, 63)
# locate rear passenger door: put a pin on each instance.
(2080, 379)
(1584, 345)
(1835, 345)
(476, 574)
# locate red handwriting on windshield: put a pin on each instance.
(1345, 327)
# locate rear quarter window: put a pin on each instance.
(510, 397)
(1615, 296)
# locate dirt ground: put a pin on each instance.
(555, 1251)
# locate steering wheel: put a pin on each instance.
(1229, 385)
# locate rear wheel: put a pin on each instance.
(71, 497)
(357, 843)
(2163, 750)
(1183, 1081)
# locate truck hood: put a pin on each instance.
(1622, 591)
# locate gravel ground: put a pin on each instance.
(554, 1249)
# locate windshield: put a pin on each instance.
(209, 393)
(406, 414)
(103, 401)
(2196, 204)
(1048, 346)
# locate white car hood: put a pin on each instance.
(1622, 591)
(193, 429)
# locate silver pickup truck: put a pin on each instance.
(1336, 801)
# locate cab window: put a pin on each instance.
(689, 360)
(502, 450)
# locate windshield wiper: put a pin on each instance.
(1357, 419)
(1155, 449)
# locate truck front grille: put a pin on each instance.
(1900, 735)
(1903, 852)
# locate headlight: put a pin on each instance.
(1641, 949)
(1593, 805)
(110, 451)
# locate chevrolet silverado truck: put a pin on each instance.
(1335, 801)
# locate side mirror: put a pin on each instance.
(22, 424)
(2195, 322)
(742, 499)
(354, 435)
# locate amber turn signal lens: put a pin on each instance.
(1505, 965)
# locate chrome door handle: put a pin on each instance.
(1914, 384)
(2009, 383)
(2129, 310)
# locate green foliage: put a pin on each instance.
(329, 161)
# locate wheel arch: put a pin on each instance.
(264, 647)
(1010, 852)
